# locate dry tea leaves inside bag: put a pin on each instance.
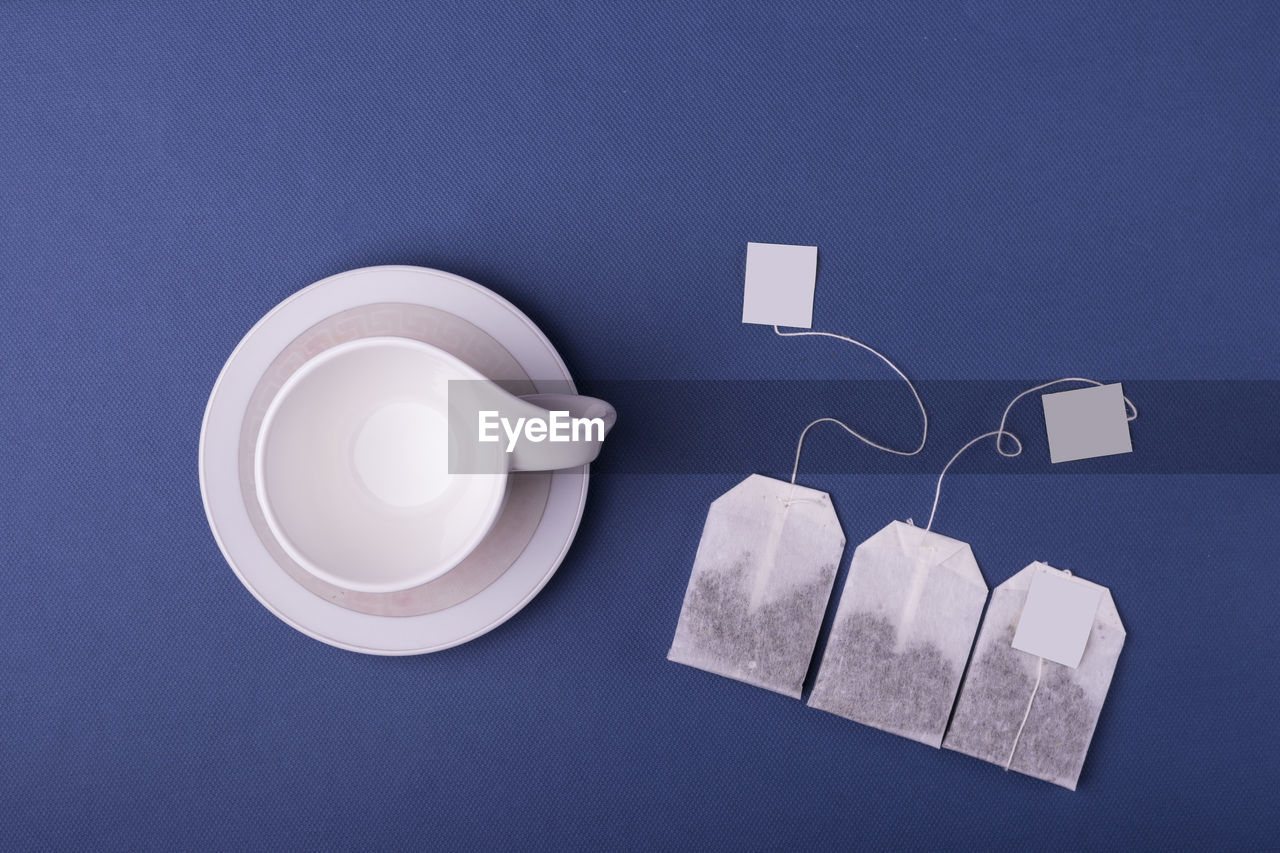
(1030, 713)
(906, 621)
(760, 584)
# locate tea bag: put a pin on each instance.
(769, 549)
(1026, 712)
(760, 584)
(903, 631)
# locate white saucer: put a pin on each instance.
(512, 564)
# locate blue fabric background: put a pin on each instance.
(1000, 190)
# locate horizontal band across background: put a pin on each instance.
(732, 426)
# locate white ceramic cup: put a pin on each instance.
(353, 471)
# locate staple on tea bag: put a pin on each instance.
(760, 584)
(1025, 712)
(902, 633)
(764, 569)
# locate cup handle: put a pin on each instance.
(553, 455)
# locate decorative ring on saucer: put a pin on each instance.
(514, 560)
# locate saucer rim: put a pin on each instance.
(552, 565)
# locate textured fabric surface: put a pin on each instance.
(999, 190)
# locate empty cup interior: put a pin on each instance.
(353, 467)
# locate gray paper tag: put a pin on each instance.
(1057, 617)
(1086, 422)
(779, 285)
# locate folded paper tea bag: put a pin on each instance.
(1040, 672)
(906, 621)
(770, 549)
(761, 580)
(908, 614)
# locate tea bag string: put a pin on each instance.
(1031, 700)
(924, 416)
(1027, 714)
(1001, 432)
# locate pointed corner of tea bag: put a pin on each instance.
(679, 653)
(965, 564)
(814, 503)
(753, 484)
(788, 491)
(942, 551)
(960, 561)
(895, 532)
(753, 481)
(1022, 580)
(1107, 611)
(886, 537)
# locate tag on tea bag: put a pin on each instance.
(1087, 422)
(1058, 616)
(760, 584)
(1029, 713)
(902, 633)
(779, 285)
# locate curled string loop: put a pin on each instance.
(1001, 432)
(924, 416)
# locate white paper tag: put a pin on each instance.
(779, 285)
(1086, 422)
(1057, 617)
